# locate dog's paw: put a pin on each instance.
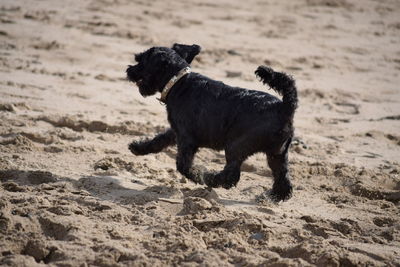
(209, 180)
(215, 180)
(138, 148)
(228, 185)
(281, 193)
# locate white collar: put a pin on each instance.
(172, 82)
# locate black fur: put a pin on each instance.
(206, 113)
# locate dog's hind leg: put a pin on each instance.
(282, 188)
(154, 145)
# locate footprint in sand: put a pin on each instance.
(372, 193)
(331, 3)
(40, 15)
(394, 139)
(347, 108)
(47, 45)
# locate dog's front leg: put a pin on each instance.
(227, 178)
(184, 162)
(154, 145)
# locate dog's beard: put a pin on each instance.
(134, 77)
(139, 82)
(144, 90)
(142, 84)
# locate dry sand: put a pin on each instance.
(71, 194)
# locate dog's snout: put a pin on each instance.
(131, 72)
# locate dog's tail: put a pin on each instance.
(281, 83)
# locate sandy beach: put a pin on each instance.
(72, 194)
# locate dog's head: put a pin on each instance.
(157, 65)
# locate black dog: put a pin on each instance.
(206, 113)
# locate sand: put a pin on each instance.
(71, 194)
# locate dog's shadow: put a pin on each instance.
(117, 189)
(139, 193)
(126, 190)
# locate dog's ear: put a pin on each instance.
(187, 52)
